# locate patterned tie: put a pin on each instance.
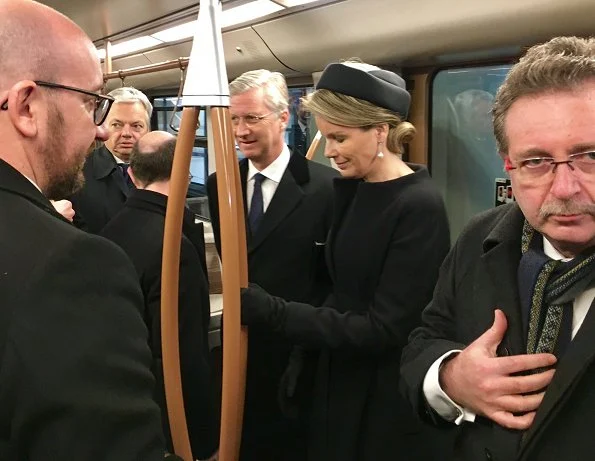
(125, 175)
(256, 205)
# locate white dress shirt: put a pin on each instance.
(451, 411)
(273, 174)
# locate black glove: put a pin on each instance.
(260, 309)
(288, 383)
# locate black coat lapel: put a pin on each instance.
(502, 255)
(579, 355)
(14, 182)
(287, 197)
(105, 168)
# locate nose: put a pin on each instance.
(329, 151)
(565, 184)
(242, 129)
(126, 131)
(101, 133)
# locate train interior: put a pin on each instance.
(453, 56)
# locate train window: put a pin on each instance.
(167, 118)
(463, 157)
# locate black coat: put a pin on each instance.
(138, 229)
(286, 256)
(384, 251)
(75, 378)
(103, 194)
(479, 275)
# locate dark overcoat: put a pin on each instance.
(286, 256)
(384, 251)
(75, 377)
(138, 229)
(103, 193)
(478, 276)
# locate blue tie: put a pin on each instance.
(256, 205)
(127, 180)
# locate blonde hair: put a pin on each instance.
(346, 110)
(561, 64)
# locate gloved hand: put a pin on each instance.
(288, 383)
(259, 309)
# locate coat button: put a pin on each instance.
(488, 455)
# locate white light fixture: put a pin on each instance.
(176, 33)
(136, 44)
(291, 3)
(244, 13)
(248, 12)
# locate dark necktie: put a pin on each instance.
(256, 205)
(125, 175)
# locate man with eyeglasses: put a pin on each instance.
(288, 201)
(107, 182)
(75, 377)
(138, 229)
(507, 348)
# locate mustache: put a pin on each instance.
(566, 207)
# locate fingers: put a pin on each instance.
(510, 421)
(521, 403)
(527, 384)
(493, 335)
(526, 362)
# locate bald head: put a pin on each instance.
(152, 158)
(48, 39)
(154, 140)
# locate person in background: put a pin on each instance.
(289, 210)
(75, 377)
(107, 183)
(505, 352)
(388, 239)
(138, 229)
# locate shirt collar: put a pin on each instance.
(551, 252)
(33, 182)
(275, 170)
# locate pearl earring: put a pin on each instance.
(380, 154)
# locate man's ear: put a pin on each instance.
(284, 117)
(23, 108)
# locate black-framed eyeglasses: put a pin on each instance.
(537, 168)
(249, 119)
(103, 102)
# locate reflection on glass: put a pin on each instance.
(298, 133)
(464, 160)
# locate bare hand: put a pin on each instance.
(479, 380)
(64, 207)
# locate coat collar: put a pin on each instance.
(155, 202)
(104, 165)
(288, 195)
(12, 181)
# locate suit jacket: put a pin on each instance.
(385, 248)
(103, 194)
(286, 257)
(138, 229)
(75, 378)
(479, 275)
